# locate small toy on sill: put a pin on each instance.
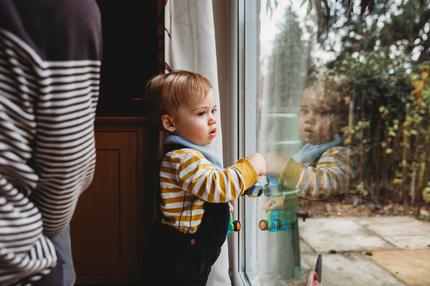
(277, 220)
(233, 225)
(285, 218)
(255, 191)
(272, 188)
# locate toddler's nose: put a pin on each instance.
(309, 118)
(212, 119)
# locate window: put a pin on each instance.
(350, 79)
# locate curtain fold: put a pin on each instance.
(189, 44)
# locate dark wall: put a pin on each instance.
(130, 55)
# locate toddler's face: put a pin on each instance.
(316, 121)
(196, 121)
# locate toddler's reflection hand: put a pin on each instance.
(257, 160)
(274, 204)
(275, 163)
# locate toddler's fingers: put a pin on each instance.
(272, 205)
(230, 206)
(267, 205)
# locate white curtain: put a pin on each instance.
(190, 45)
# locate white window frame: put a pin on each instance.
(245, 46)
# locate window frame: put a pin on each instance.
(245, 47)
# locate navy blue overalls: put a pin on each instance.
(187, 258)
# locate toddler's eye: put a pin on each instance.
(322, 112)
(201, 113)
(304, 111)
(214, 111)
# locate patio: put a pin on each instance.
(368, 250)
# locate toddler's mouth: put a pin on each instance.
(307, 131)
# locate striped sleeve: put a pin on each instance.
(47, 110)
(201, 178)
(330, 175)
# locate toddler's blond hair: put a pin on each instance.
(166, 92)
(327, 92)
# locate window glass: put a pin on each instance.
(342, 99)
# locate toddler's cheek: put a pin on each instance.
(323, 135)
(319, 135)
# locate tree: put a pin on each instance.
(282, 86)
(288, 65)
(392, 28)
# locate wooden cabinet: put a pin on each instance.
(108, 228)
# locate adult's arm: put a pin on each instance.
(50, 54)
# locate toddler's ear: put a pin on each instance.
(168, 122)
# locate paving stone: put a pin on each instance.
(392, 240)
(305, 248)
(403, 232)
(351, 269)
(411, 266)
(383, 220)
(340, 234)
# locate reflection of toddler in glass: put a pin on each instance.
(321, 167)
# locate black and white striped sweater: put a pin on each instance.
(50, 54)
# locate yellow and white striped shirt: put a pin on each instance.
(188, 179)
(331, 174)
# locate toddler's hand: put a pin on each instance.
(258, 162)
(230, 207)
(274, 204)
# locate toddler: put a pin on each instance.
(194, 187)
(321, 167)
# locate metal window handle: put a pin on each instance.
(303, 216)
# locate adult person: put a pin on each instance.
(50, 54)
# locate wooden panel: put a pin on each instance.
(99, 221)
(104, 228)
(110, 227)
